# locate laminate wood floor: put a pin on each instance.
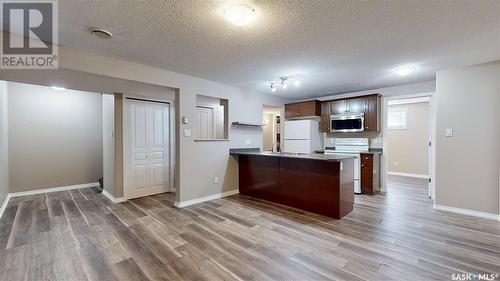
(81, 235)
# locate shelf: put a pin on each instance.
(248, 124)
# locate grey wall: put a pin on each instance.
(4, 149)
(55, 137)
(108, 142)
(468, 164)
(408, 149)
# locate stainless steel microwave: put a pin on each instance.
(347, 123)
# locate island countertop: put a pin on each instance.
(256, 151)
(322, 184)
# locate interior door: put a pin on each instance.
(159, 147)
(205, 123)
(138, 181)
(148, 155)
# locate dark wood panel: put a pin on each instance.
(357, 105)
(310, 108)
(259, 176)
(325, 117)
(292, 110)
(372, 113)
(310, 185)
(338, 106)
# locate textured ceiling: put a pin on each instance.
(336, 46)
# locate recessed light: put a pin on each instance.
(297, 82)
(101, 33)
(57, 88)
(239, 14)
(405, 70)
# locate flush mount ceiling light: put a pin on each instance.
(405, 70)
(101, 33)
(239, 14)
(283, 82)
(58, 88)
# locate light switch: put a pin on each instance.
(216, 180)
(185, 120)
(449, 132)
(187, 132)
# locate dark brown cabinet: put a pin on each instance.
(370, 173)
(303, 109)
(369, 105)
(325, 117)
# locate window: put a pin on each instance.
(396, 119)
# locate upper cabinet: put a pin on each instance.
(303, 109)
(369, 105)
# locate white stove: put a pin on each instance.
(352, 146)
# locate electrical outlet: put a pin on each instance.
(216, 180)
(187, 132)
(396, 164)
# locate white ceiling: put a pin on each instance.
(336, 46)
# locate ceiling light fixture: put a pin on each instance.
(239, 14)
(283, 82)
(273, 88)
(101, 33)
(57, 88)
(405, 70)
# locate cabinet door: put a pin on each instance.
(338, 106)
(309, 108)
(372, 113)
(356, 105)
(292, 110)
(325, 117)
(366, 173)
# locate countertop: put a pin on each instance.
(256, 151)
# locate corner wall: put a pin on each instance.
(4, 148)
(468, 164)
(55, 137)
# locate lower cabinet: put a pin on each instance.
(317, 186)
(370, 173)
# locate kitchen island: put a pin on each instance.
(318, 183)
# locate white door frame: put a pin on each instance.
(432, 137)
(171, 138)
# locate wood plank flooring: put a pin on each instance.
(81, 235)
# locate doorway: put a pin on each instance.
(272, 129)
(147, 147)
(408, 133)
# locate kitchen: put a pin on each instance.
(329, 175)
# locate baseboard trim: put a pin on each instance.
(112, 198)
(467, 212)
(4, 204)
(183, 204)
(409, 175)
(54, 189)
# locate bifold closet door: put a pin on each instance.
(147, 148)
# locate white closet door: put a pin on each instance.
(159, 147)
(148, 154)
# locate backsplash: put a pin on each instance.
(376, 139)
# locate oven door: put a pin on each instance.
(347, 123)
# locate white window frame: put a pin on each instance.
(403, 118)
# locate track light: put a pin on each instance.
(283, 82)
(273, 88)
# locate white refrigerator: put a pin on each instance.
(302, 136)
